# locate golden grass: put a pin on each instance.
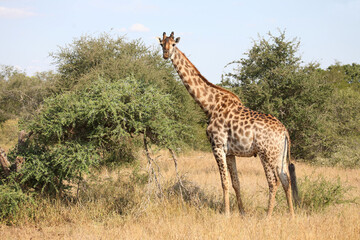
(174, 219)
(8, 134)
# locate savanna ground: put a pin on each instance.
(109, 206)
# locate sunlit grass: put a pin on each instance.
(116, 204)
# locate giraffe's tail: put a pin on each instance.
(294, 188)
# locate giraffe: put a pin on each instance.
(235, 130)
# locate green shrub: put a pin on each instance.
(11, 201)
(316, 195)
(80, 129)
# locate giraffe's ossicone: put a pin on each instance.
(235, 130)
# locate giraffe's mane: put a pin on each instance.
(206, 81)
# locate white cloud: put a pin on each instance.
(138, 27)
(15, 13)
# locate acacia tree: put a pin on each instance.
(80, 129)
(88, 58)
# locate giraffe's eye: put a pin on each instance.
(173, 44)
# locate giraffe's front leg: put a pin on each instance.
(231, 162)
(220, 157)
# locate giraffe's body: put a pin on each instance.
(235, 130)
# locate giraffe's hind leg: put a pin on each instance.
(283, 173)
(231, 163)
(273, 182)
(285, 181)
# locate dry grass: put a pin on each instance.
(8, 134)
(173, 219)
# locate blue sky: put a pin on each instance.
(213, 33)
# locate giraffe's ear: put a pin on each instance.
(177, 40)
(159, 39)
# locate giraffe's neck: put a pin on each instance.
(209, 96)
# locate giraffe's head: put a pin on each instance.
(168, 44)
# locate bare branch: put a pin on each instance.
(152, 172)
(181, 186)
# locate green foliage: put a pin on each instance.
(21, 95)
(52, 169)
(316, 195)
(109, 58)
(319, 108)
(11, 201)
(106, 112)
(346, 75)
(74, 129)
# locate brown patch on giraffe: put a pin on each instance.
(197, 94)
(204, 104)
(186, 70)
(241, 131)
(216, 125)
(210, 98)
(204, 92)
(189, 81)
